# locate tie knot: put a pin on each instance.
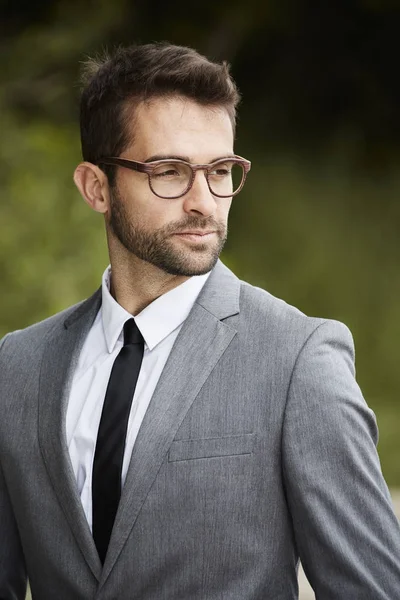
(132, 334)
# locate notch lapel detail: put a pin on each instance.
(59, 360)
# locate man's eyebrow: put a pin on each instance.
(166, 157)
(185, 158)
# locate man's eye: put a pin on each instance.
(167, 171)
(220, 172)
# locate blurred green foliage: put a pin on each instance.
(317, 223)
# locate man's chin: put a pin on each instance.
(190, 268)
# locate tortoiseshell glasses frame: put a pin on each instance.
(150, 169)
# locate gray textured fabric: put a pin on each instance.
(257, 447)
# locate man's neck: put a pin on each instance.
(136, 284)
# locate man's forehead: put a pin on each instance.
(179, 126)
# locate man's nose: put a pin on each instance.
(199, 198)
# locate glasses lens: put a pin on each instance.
(170, 179)
(225, 178)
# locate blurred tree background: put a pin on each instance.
(318, 221)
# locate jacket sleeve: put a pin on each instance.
(13, 578)
(345, 528)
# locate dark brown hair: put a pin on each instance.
(113, 85)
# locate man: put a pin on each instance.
(182, 434)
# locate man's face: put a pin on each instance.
(182, 236)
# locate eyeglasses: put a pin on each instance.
(173, 178)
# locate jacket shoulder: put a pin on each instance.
(41, 328)
(282, 320)
(32, 337)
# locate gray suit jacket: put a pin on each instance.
(257, 448)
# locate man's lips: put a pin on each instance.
(195, 232)
(196, 235)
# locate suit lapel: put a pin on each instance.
(200, 344)
(59, 360)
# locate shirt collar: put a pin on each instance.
(158, 319)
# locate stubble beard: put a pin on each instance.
(158, 248)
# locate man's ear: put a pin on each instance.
(93, 186)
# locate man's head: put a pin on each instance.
(145, 102)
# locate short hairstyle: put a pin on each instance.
(114, 85)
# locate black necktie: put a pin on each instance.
(110, 445)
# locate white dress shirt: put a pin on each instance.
(159, 323)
